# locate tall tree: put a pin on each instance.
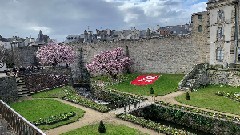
(54, 54)
(110, 62)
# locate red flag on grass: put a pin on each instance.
(145, 79)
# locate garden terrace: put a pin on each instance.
(47, 113)
(18, 123)
(166, 84)
(207, 98)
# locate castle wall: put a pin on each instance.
(167, 55)
(8, 89)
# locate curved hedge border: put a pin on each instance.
(190, 119)
(196, 110)
(152, 125)
(54, 119)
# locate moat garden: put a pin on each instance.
(130, 109)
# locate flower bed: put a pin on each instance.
(153, 125)
(234, 96)
(54, 119)
(74, 98)
(115, 98)
(194, 120)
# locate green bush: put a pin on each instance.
(101, 128)
(187, 96)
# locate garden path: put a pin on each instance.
(92, 117)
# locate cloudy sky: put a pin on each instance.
(59, 18)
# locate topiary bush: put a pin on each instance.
(187, 96)
(101, 128)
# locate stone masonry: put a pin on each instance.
(8, 89)
(168, 55)
(200, 34)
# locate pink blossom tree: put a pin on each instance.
(110, 62)
(54, 54)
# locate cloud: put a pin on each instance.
(59, 18)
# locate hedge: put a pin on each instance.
(190, 119)
(153, 125)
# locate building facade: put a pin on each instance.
(200, 35)
(224, 31)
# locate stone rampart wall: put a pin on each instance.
(168, 55)
(225, 77)
(8, 89)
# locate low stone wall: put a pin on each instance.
(225, 77)
(8, 89)
(203, 74)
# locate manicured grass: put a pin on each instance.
(32, 110)
(206, 98)
(110, 130)
(54, 93)
(166, 83)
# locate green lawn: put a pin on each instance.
(166, 83)
(110, 130)
(32, 110)
(54, 93)
(206, 98)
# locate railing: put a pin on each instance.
(19, 124)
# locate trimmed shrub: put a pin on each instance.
(187, 96)
(101, 128)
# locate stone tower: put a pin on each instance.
(224, 31)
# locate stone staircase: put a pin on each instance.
(5, 129)
(21, 86)
(195, 78)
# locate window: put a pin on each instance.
(219, 54)
(220, 15)
(220, 33)
(200, 28)
(199, 17)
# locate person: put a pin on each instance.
(15, 71)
